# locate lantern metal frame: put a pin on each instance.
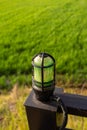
(43, 91)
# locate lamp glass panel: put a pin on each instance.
(37, 74)
(38, 61)
(48, 74)
(48, 61)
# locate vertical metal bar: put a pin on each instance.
(42, 72)
(54, 72)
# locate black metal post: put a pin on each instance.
(41, 115)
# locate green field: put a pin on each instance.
(28, 27)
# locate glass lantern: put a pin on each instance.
(43, 75)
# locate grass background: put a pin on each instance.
(29, 27)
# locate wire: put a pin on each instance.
(64, 110)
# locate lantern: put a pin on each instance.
(43, 78)
(43, 83)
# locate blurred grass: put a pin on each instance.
(12, 112)
(29, 27)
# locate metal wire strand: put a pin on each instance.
(64, 110)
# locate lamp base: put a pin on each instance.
(43, 95)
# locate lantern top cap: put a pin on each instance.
(43, 54)
(46, 58)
